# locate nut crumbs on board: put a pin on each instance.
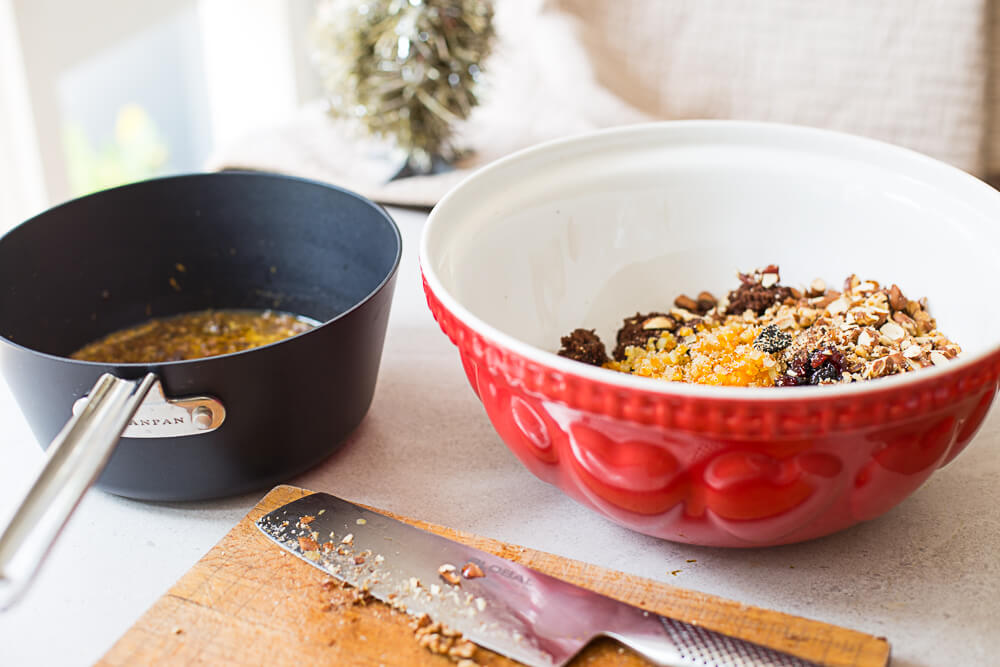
(472, 571)
(449, 573)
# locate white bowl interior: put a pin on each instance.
(585, 231)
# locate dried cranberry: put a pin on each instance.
(825, 372)
(825, 363)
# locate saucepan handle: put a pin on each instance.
(73, 463)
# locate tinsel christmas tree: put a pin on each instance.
(405, 70)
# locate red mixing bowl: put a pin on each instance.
(585, 231)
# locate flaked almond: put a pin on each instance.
(877, 368)
(896, 362)
(769, 280)
(864, 316)
(912, 352)
(826, 299)
(892, 331)
(837, 306)
(659, 322)
(682, 314)
(817, 287)
(905, 321)
(937, 358)
(865, 339)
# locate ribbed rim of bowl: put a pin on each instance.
(749, 131)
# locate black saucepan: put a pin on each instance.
(186, 243)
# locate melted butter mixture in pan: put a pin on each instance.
(204, 333)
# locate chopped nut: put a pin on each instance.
(895, 362)
(865, 339)
(306, 520)
(924, 322)
(659, 322)
(682, 314)
(938, 359)
(462, 649)
(308, 544)
(837, 306)
(912, 352)
(827, 299)
(348, 539)
(686, 303)
(706, 302)
(892, 331)
(449, 573)
(816, 287)
(472, 571)
(896, 299)
(769, 280)
(908, 323)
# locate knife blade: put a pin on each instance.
(496, 603)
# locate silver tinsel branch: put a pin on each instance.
(405, 70)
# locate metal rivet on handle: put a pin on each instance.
(202, 417)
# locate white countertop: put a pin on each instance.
(926, 575)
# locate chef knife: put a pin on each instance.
(498, 604)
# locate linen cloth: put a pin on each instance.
(916, 73)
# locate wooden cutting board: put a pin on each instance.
(248, 602)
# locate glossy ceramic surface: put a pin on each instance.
(584, 231)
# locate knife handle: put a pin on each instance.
(672, 643)
(73, 463)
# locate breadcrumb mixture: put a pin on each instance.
(765, 334)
